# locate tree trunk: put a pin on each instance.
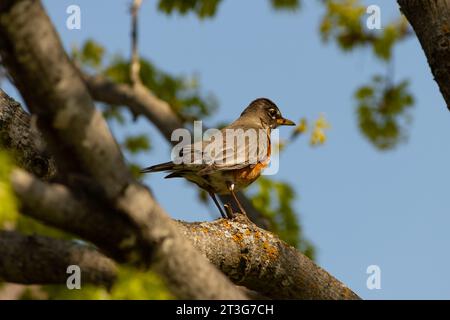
(431, 22)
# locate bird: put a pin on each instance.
(220, 165)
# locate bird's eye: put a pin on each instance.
(273, 113)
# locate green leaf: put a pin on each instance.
(91, 54)
(111, 112)
(383, 44)
(182, 93)
(135, 170)
(8, 202)
(131, 284)
(208, 8)
(364, 92)
(382, 112)
(137, 143)
(344, 21)
(202, 8)
(29, 226)
(285, 4)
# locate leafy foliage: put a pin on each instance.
(8, 203)
(180, 92)
(381, 106)
(381, 112)
(343, 21)
(285, 4)
(30, 226)
(135, 170)
(301, 128)
(9, 208)
(208, 8)
(90, 55)
(202, 8)
(131, 284)
(136, 144)
(392, 33)
(318, 135)
(111, 112)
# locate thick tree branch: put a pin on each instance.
(52, 88)
(43, 260)
(431, 22)
(139, 100)
(34, 58)
(19, 135)
(248, 255)
(259, 260)
(56, 205)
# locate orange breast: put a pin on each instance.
(247, 175)
(250, 173)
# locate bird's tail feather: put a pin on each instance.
(166, 166)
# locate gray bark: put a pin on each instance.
(19, 135)
(138, 99)
(431, 22)
(42, 260)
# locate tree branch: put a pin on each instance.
(19, 135)
(431, 22)
(56, 205)
(259, 260)
(53, 91)
(139, 100)
(52, 88)
(248, 255)
(42, 260)
(39, 260)
(135, 65)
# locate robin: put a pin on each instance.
(220, 165)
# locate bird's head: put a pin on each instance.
(267, 112)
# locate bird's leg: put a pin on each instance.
(231, 188)
(229, 210)
(213, 196)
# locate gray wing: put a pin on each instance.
(227, 150)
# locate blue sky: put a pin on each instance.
(357, 205)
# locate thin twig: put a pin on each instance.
(135, 65)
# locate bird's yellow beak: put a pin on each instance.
(285, 122)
